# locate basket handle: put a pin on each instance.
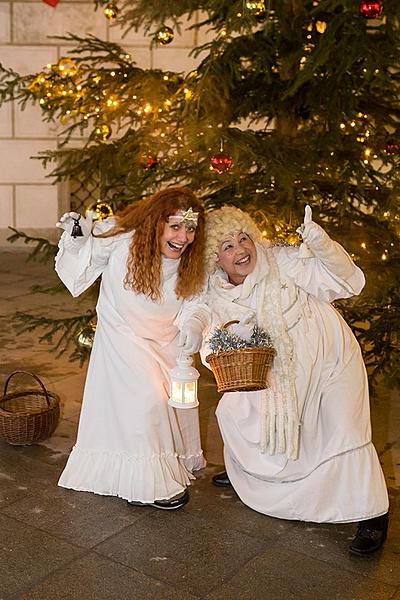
(229, 323)
(31, 375)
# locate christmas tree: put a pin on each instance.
(293, 102)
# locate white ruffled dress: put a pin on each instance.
(130, 443)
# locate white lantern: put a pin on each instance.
(183, 384)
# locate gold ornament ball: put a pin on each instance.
(111, 11)
(101, 210)
(320, 26)
(102, 132)
(257, 8)
(86, 335)
(38, 83)
(165, 35)
(67, 67)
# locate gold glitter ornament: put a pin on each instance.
(111, 11)
(320, 26)
(38, 83)
(257, 9)
(164, 36)
(86, 335)
(100, 210)
(102, 132)
(67, 67)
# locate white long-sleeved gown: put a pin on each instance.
(130, 442)
(337, 476)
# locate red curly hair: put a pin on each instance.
(147, 218)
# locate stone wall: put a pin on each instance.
(28, 199)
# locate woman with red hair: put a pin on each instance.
(131, 443)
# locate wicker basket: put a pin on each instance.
(28, 416)
(242, 370)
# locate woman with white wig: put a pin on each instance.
(302, 448)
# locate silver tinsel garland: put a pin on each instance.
(222, 340)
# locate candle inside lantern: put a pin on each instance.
(183, 387)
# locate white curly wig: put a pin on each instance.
(223, 221)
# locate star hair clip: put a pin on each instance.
(189, 218)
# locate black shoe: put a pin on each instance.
(221, 479)
(170, 504)
(371, 535)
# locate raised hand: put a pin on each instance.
(312, 233)
(66, 222)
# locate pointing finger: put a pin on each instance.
(307, 214)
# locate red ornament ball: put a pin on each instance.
(148, 162)
(371, 10)
(221, 162)
(392, 147)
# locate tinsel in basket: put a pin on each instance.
(222, 340)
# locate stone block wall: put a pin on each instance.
(28, 199)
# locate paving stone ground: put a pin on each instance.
(60, 544)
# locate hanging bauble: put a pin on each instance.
(67, 67)
(37, 84)
(321, 26)
(148, 162)
(111, 11)
(392, 147)
(371, 10)
(164, 35)
(221, 162)
(102, 132)
(100, 210)
(257, 9)
(68, 116)
(86, 335)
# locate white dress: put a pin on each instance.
(337, 476)
(131, 443)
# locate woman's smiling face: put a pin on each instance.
(237, 256)
(176, 237)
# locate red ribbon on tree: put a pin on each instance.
(52, 3)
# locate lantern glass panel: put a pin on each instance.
(190, 392)
(177, 391)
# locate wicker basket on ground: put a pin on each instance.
(241, 369)
(28, 416)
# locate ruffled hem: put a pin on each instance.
(133, 478)
(194, 462)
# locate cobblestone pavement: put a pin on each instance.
(60, 544)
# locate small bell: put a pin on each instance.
(76, 229)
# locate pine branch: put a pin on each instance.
(62, 333)
(43, 250)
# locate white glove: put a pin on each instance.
(66, 222)
(243, 329)
(191, 336)
(312, 234)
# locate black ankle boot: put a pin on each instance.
(221, 479)
(371, 535)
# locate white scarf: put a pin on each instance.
(279, 413)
